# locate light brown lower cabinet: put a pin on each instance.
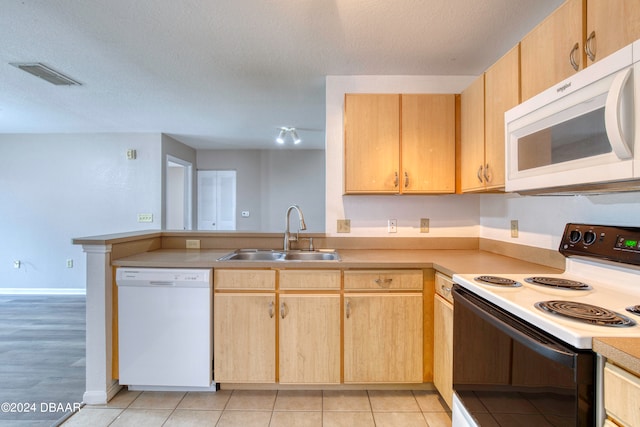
(443, 348)
(244, 331)
(309, 339)
(621, 396)
(383, 338)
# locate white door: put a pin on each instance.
(216, 200)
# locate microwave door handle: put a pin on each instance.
(613, 112)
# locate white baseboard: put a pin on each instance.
(42, 291)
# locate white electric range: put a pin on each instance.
(598, 295)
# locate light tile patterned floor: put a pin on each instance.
(269, 408)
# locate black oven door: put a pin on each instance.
(506, 372)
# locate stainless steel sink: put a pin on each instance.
(311, 256)
(274, 255)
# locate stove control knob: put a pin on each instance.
(574, 236)
(589, 237)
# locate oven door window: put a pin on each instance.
(507, 373)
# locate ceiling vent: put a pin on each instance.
(52, 76)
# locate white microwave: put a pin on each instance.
(580, 135)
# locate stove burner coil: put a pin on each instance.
(635, 309)
(498, 281)
(558, 282)
(585, 313)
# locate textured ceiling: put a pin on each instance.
(228, 73)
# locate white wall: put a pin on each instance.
(268, 181)
(449, 215)
(542, 219)
(57, 187)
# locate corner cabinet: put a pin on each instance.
(399, 144)
(621, 396)
(443, 338)
(483, 105)
(383, 326)
(244, 324)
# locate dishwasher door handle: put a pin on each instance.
(161, 283)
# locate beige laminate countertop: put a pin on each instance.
(448, 261)
(623, 352)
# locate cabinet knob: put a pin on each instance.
(347, 309)
(406, 180)
(572, 56)
(395, 179)
(283, 309)
(479, 174)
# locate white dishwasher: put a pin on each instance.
(165, 331)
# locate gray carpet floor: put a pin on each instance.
(42, 358)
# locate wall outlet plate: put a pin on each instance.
(145, 217)
(392, 226)
(424, 225)
(193, 244)
(514, 228)
(344, 226)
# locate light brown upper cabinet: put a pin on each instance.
(399, 144)
(575, 35)
(483, 105)
(611, 25)
(553, 50)
(472, 137)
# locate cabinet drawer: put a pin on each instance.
(310, 279)
(370, 280)
(244, 279)
(622, 395)
(444, 284)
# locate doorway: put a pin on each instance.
(178, 194)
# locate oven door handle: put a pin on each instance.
(515, 328)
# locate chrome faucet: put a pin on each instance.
(287, 233)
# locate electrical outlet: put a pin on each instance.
(514, 228)
(424, 225)
(69, 263)
(193, 244)
(392, 226)
(344, 226)
(145, 217)
(245, 214)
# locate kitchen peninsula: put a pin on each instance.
(169, 249)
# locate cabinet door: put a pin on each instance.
(502, 92)
(615, 24)
(547, 49)
(383, 338)
(428, 144)
(244, 348)
(443, 348)
(372, 143)
(309, 339)
(472, 136)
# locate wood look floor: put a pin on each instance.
(42, 358)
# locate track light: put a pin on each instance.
(294, 135)
(283, 133)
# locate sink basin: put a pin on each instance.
(274, 255)
(253, 255)
(311, 256)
